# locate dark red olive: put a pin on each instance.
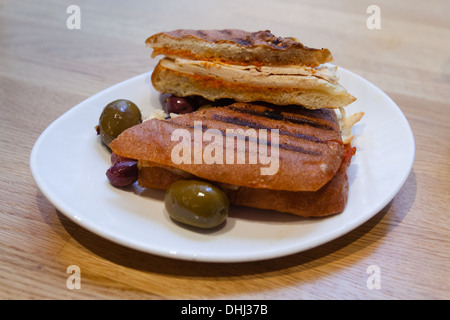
(177, 105)
(115, 158)
(198, 101)
(122, 174)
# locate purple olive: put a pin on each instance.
(198, 101)
(177, 105)
(115, 158)
(122, 174)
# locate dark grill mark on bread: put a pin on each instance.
(284, 146)
(255, 125)
(277, 115)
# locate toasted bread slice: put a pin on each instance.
(236, 47)
(311, 92)
(309, 145)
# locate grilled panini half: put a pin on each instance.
(246, 67)
(309, 145)
(234, 46)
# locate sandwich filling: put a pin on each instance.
(322, 77)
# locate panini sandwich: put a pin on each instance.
(246, 66)
(283, 100)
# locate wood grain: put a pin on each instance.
(45, 69)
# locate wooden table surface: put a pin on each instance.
(46, 68)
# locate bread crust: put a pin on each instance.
(212, 88)
(236, 47)
(328, 200)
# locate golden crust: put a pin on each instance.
(237, 47)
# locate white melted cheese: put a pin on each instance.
(346, 124)
(322, 77)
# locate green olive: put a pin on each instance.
(116, 117)
(196, 203)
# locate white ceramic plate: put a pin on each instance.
(69, 163)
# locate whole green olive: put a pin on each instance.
(116, 117)
(196, 203)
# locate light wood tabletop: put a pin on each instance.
(48, 65)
